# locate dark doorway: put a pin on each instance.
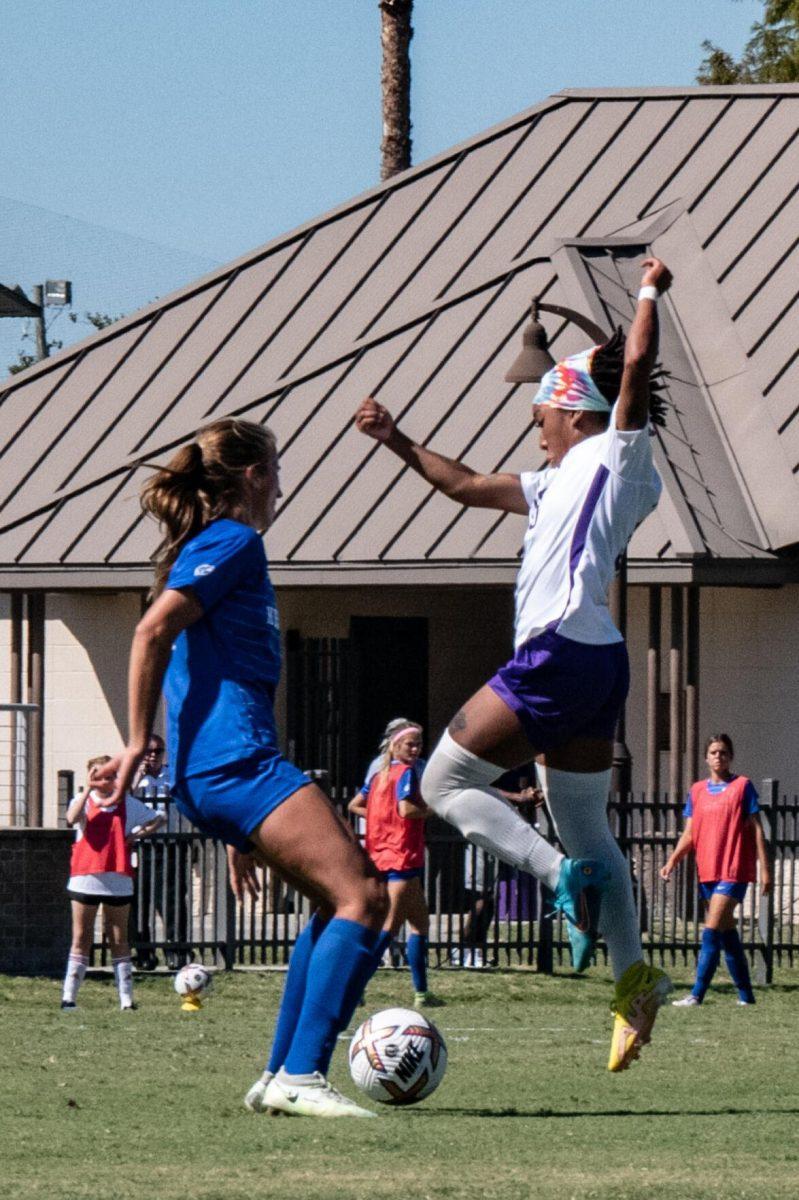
(389, 661)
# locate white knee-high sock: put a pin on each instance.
(123, 974)
(578, 804)
(76, 970)
(455, 785)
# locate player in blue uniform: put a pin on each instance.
(212, 637)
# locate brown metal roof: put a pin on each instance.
(416, 291)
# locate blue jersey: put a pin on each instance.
(221, 678)
(749, 801)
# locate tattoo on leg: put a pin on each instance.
(458, 722)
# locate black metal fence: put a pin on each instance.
(482, 913)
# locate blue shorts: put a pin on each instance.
(231, 801)
(722, 887)
(560, 689)
(411, 873)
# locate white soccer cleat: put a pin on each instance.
(689, 1001)
(254, 1100)
(309, 1096)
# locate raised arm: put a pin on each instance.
(640, 350)
(454, 479)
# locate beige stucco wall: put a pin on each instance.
(749, 648)
(87, 638)
(748, 656)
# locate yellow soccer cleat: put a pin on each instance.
(639, 994)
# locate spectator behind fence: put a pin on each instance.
(724, 831)
(481, 877)
(163, 878)
(395, 813)
(101, 872)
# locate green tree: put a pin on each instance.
(770, 56)
(96, 320)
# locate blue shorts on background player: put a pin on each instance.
(724, 831)
(211, 637)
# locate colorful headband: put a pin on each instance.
(401, 733)
(569, 385)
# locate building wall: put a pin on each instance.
(749, 646)
(748, 651)
(87, 640)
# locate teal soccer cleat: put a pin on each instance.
(579, 897)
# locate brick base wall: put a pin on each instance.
(35, 926)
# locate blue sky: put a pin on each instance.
(146, 142)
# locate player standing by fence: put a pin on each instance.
(724, 832)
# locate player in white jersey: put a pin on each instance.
(559, 697)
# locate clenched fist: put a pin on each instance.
(656, 274)
(374, 420)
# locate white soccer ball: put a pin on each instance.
(397, 1056)
(193, 980)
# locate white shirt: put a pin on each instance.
(111, 883)
(582, 515)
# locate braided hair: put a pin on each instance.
(607, 368)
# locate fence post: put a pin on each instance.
(764, 962)
(225, 910)
(545, 950)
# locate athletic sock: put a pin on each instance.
(578, 803)
(737, 964)
(123, 974)
(455, 785)
(384, 939)
(417, 960)
(76, 970)
(293, 992)
(342, 963)
(709, 954)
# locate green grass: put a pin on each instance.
(148, 1105)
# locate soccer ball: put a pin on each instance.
(192, 982)
(397, 1056)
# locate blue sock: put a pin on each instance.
(737, 965)
(342, 963)
(417, 961)
(383, 943)
(293, 992)
(708, 960)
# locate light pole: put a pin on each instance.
(52, 293)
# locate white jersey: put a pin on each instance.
(582, 515)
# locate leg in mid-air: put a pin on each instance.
(483, 741)
(304, 840)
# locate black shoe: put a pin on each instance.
(146, 961)
(128, 1007)
(68, 1004)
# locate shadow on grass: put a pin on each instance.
(551, 1113)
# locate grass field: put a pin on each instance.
(147, 1104)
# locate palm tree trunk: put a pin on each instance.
(395, 81)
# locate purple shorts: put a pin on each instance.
(560, 689)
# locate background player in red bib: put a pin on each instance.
(392, 804)
(724, 831)
(101, 872)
